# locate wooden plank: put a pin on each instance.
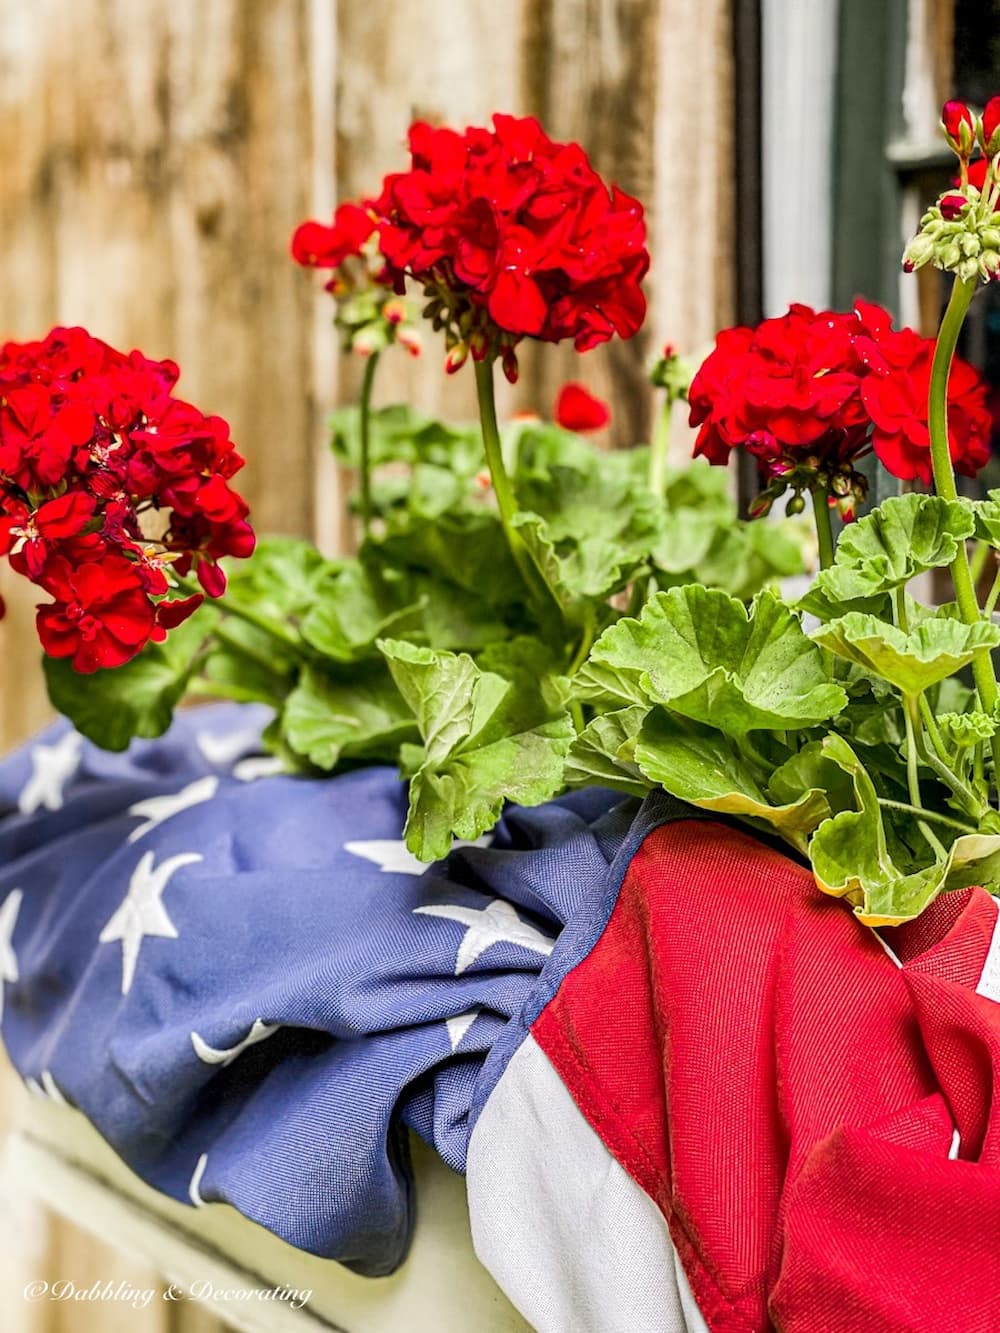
(647, 88)
(451, 62)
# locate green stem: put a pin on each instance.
(980, 555)
(990, 604)
(660, 449)
(585, 645)
(272, 627)
(931, 726)
(824, 528)
(365, 466)
(937, 409)
(913, 780)
(944, 483)
(950, 778)
(930, 815)
(536, 581)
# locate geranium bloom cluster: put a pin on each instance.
(512, 236)
(107, 481)
(809, 393)
(509, 234)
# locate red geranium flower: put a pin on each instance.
(319, 246)
(578, 410)
(896, 401)
(809, 393)
(106, 481)
(977, 173)
(29, 536)
(101, 617)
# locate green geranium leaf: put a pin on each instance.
(987, 515)
(851, 859)
(811, 769)
(905, 536)
(456, 622)
(912, 662)
(488, 738)
(686, 537)
(357, 608)
(400, 434)
(964, 730)
(602, 753)
(135, 700)
(465, 550)
(700, 767)
(583, 571)
(700, 653)
(327, 721)
(247, 665)
(284, 577)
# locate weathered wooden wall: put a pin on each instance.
(157, 154)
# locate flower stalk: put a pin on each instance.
(824, 527)
(365, 467)
(944, 482)
(538, 586)
(660, 448)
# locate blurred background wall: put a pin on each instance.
(158, 154)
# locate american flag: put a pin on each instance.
(689, 1091)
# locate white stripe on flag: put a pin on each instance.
(989, 980)
(566, 1232)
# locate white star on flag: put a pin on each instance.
(52, 766)
(487, 926)
(224, 750)
(142, 913)
(209, 1055)
(392, 856)
(459, 1025)
(48, 1088)
(256, 766)
(194, 1189)
(158, 809)
(8, 958)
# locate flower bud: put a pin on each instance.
(959, 127)
(796, 504)
(847, 508)
(508, 361)
(394, 310)
(408, 337)
(456, 358)
(951, 206)
(479, 345)
(919, 252)
(990, 127)
(365, 343)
